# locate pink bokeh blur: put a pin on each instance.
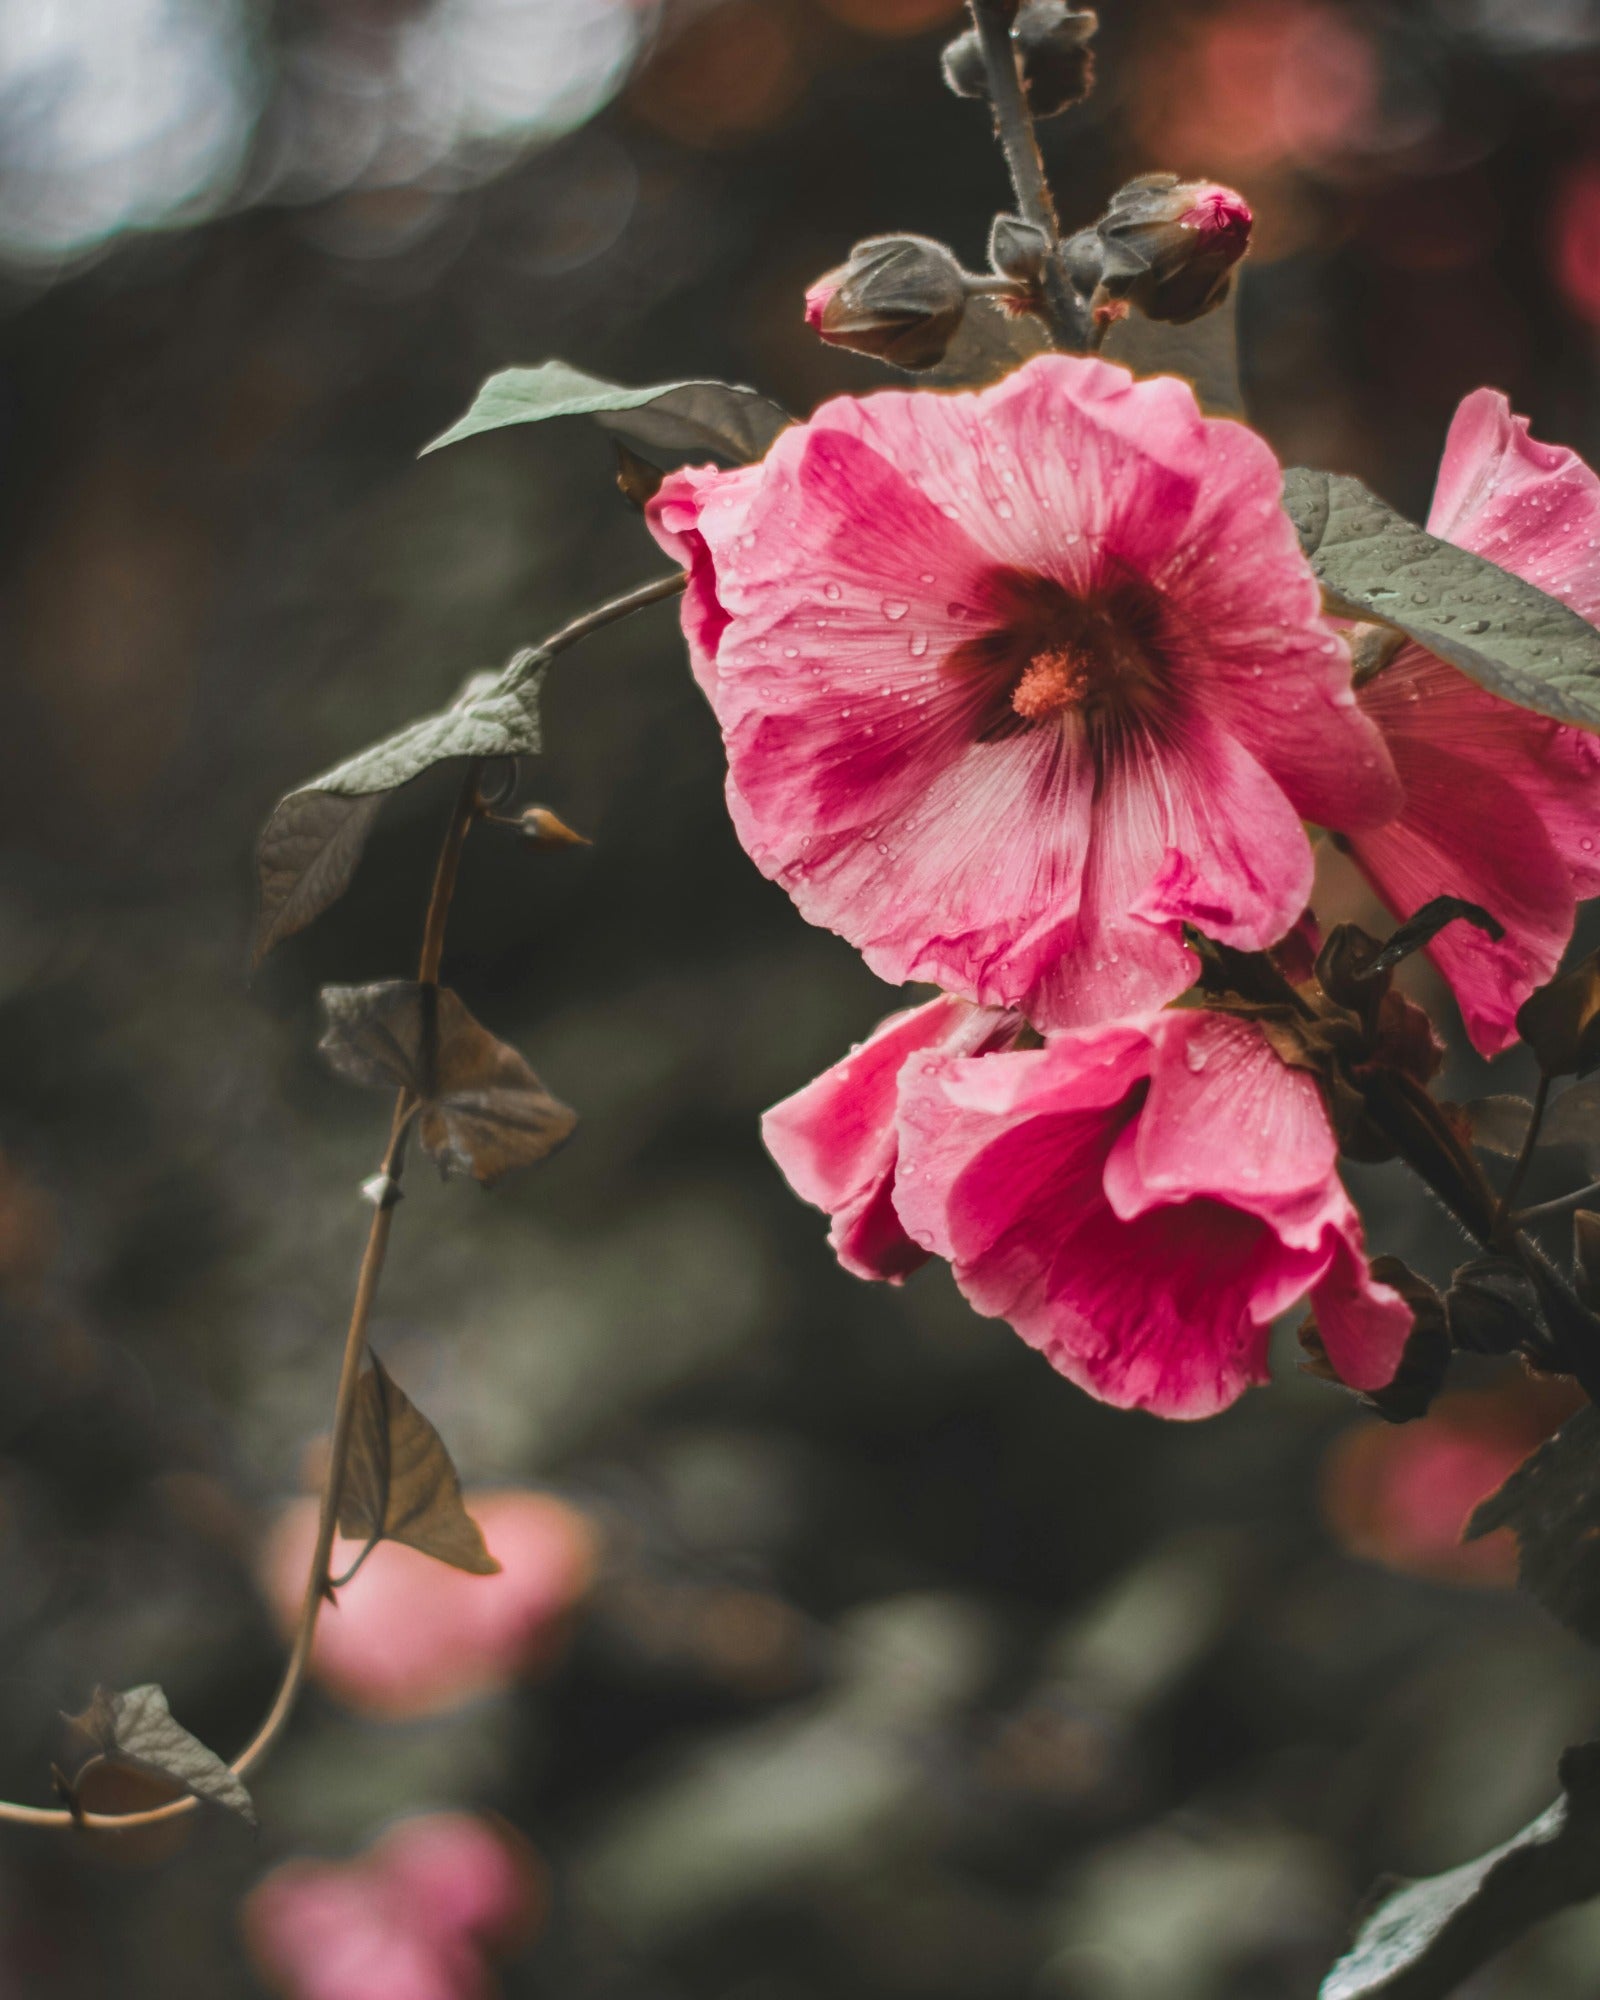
(409, 1635)
(419, 1916)
(1575, 238)
(1401, 1494)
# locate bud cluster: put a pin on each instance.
(1052, 43)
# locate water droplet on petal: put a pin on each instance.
(895, 608)
(832, 592)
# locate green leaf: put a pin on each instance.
(137, 1728)
(309, 848)
(1507, 635)
(1424, 1939)
(1551, 1503)
(1574, 1120)
(719, 417)
(400, 1484)
(481, 1108)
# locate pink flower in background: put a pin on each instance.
(415, 1918)
(1402, 1494)
(1015, 685)
(410, 1635)
(1140, 1201)
(1575, 239)
(836, 1139)
(1501, 806)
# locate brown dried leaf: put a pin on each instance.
(1499, 1124)
(482, 1109)
(137, 1729)
(1561, 1022)
(400, 1484)
(1551, 1503)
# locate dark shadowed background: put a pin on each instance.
(906, 1670)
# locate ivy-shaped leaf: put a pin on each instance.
(401, 1485)
(481, 1108)
(1507, 635)
(1551, 1503)
(136, 1728)
(1499, 1124)
(735, 423)
(309, 848)
(1423, 1940)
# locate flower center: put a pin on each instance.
(1057, 678)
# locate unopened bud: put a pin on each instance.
(540, 827)
(1169, 246)
(1018, 249)
(899, 297)
(1052, 40)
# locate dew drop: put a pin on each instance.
(917, 645)
(832, 592)
(1476, 625)
(895, 608)
(791, 652)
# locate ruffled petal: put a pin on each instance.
(1364, 1325)
(673, 516)
(1532, 508)
(836, 1143)
(1467, 831)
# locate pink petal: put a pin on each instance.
(1532, 508)
(674, 517)
(836, 1142)
(1267, 1142)
(1468, 831)
(1364, 1325)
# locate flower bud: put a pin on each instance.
(1169, 246)
(899, 297)
(1018, 249)
(1052, 39)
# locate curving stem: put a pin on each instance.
(468, 808)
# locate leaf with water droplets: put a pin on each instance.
(735, 423)
(1507, 635)
(1424, 1938)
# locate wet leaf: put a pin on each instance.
(1551, 1503)
(309, 848)
(735, 423)
(400, 1484)
(137, 1728)
(1561, 1022)
(1499, 1124)
(1426, 1937)
(482, 1109)
(1507, 635)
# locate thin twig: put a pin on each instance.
(1562, 1203)
(318, 1584)
(1524, 1159)
(1013, 122)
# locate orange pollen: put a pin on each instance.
(1051, 681)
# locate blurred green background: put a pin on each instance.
(907, 1670)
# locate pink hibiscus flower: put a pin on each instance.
(1141, 1200)
(1015, 685)
(836, 1140)
(1502, 806)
